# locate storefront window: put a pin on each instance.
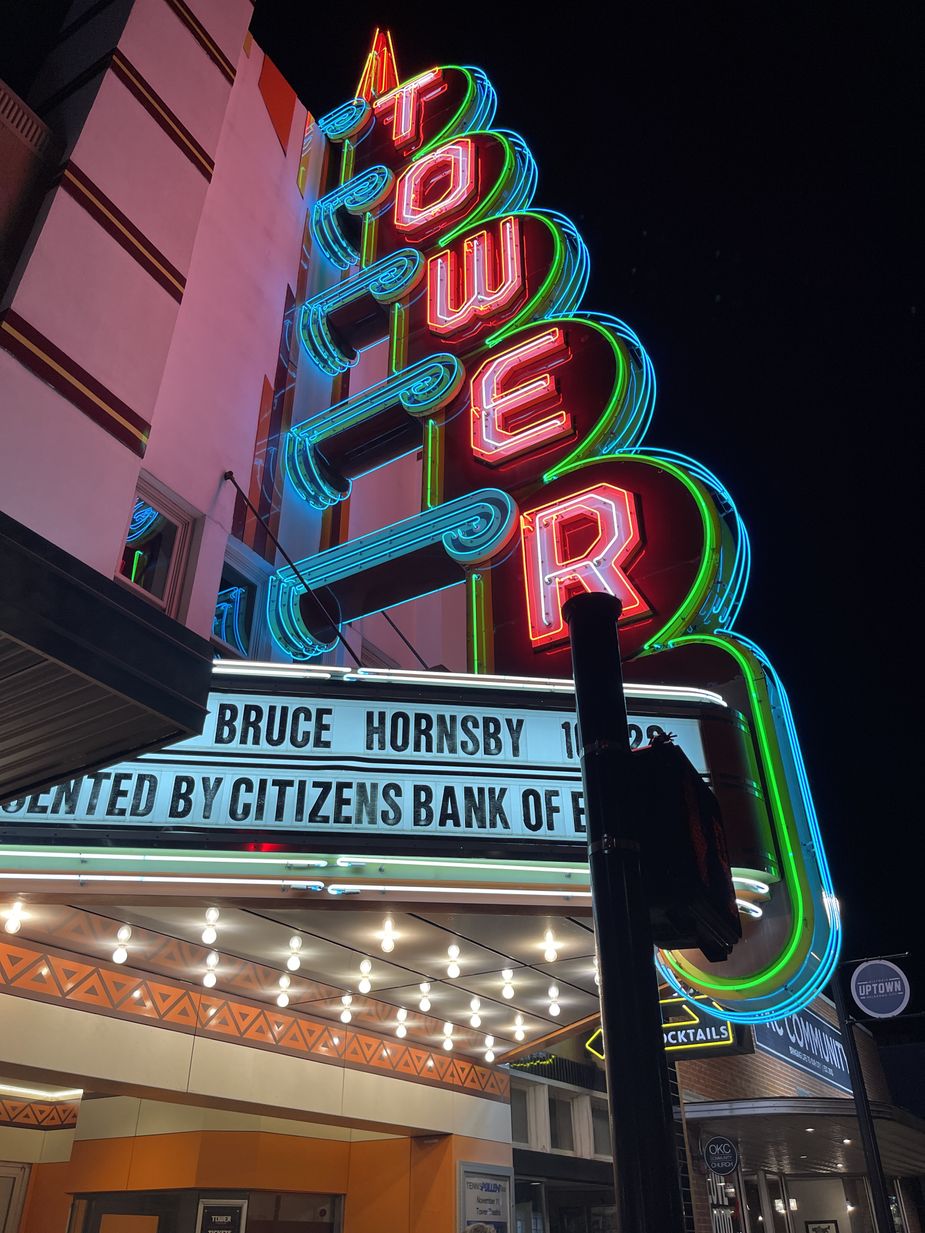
(520, 1126)
(753, 1218)
(561, 1132)
(600, 1128)
(837, 1200)
(778, 1205)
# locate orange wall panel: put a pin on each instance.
(378, 1187)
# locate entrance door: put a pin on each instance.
(13, 1178)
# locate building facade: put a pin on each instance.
(281, 954)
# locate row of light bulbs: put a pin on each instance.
(13, 924)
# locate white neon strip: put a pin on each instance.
(147, 877)
(69, 1093)
(347, 862)
(747, 908)
(155, 858)
(749, 884)
(344, 888)
(534, 684)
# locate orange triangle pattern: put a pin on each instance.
(30, 971)
(38, 1114)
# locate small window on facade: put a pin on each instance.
(235, 605)
(600, 1128)
(148, 557)
(520, 1129)
(561, 1134)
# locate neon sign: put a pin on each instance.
(530, 413)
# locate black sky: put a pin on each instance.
(744, 176)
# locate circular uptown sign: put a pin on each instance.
(880, 988)
(720, 1155)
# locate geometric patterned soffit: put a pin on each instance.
(38, 1114)
(44, 974)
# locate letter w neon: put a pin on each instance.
(484, 281)
(558, 560)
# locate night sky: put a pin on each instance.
(743, 176)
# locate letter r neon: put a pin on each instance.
(502, 429)
(553, 570)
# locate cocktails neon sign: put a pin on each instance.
(531, 415)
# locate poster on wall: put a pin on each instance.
(485, 1199)
(222, 1216)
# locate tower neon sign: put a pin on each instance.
(531, 414)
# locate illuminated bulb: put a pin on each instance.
(293, 963)
(401, 1030)
(212, 959)
(364, 986)
(518, 1033)
(366, 967)
(424, 1005)
(345, 1016)
(119, 955)
(554, 1009)
(475, 1020)
(507, 991)
(518, 1020)
(124, 934)
(448, 1042)
(13, 924)
(550, 954)
(283, 999)
(489, 1042)
(212, 915)
(507, 975)
(553, 992)
(285, 981)
(402, 1014)
(489, 1055)
(347, 999)
(447, 1029)
(424, 987)
(295, 942)
(453, 951)
(209, 980)
(388, 944)
(209, 935)
(475, 1004)
(452, 970)
(549, 937)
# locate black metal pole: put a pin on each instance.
(646, 1186)
(883, 1217)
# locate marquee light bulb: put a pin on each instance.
(347, 999)
(475, 1020)
(13, 924)
(554, 1009)
(401, 1031)
(124, 934)
(283, 999)
(284, 981)
(293, 963)
(553, 992)
(507, 975)
(518, 1020)
(507, 991)
(345, 1016)
(209, 980)
(119, 955)
(489, 1055)
(518, 1033)
(295, 942)
(212, 959)
(424, 1005)
(388, 944)
(212, 915)
(453, 951)
(489, 1042)
(447, 1029)
(402, 1014)
(364, 986)
(448, 1043)
(209, 935)
(550, 954)
(366, 967)
(475, 1004)
(452, 970)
